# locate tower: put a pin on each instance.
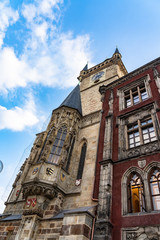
(53, 194)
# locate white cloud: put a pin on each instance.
(7, 17)
(17, 118)
(49, 57)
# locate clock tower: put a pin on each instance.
(102, 74)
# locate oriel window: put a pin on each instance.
(57, 145)
(136, 200)
(155, 189)
(141, 132)
(135, 95)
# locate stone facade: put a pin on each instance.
(47, 200)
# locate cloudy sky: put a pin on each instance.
(43, 46)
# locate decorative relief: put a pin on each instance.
(63, 177)
(31, 203)
(38, 189)
(142, 163)
(35, 170)
(148, 233)
(142, 150)
(49, 171)
(78, 182)
(91, 119)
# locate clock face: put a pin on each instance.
(97, 76)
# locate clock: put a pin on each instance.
(97, 76)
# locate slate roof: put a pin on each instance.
(75, 210)
(11, 217)
(73, 100)
(85, 68)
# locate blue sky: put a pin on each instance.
(43, 46)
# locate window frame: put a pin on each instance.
(129, 87)
(142, 204)
(82, 161)
(139, 129)
(57, 145)
(149, 183)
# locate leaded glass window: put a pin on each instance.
(135, 95)
(141, 132)
(57, 145)
(155, 189)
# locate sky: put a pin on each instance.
(44, 44)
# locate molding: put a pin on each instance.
(132, 74)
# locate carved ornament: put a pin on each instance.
(39, 189)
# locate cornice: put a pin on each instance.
(108, 62)
(130, 75)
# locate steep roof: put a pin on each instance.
(73, 100)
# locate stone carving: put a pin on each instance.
(142, 163)
(131, 236)
(16, 180)
(38, 189)
(143, 149)
(147, 233)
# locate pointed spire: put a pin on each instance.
(117, 53)
(86, 67)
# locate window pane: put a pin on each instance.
(131, 135)
(154, 188)
(152, 134)
(156, 203)
(131, 145)
(151, 129)
(137, 144)
(146, 141)
(136, 201)
(137, 139)
(145, 136)
(136, 134)
(153, 139)
(136, 99)
(144, 96)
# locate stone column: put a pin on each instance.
(28, 228)
(103, 226)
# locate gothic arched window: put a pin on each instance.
(136, 201)
(155, 188)
(57, 145)
(81, 162)
(69, 154)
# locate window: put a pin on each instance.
(81, 162)
(57, 145)
(136, 202)
(155, 189)
(141, 132)
(71, 145)
(135, 95)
